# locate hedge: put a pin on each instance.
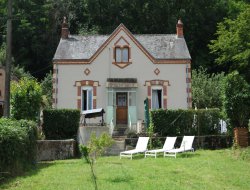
(60, 123)
(17, 146)
(181, 122)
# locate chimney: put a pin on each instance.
(179, 29)
(65, 29)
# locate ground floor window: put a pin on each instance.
(87, 98)
(156, 98)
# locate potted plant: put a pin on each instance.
(236, 102)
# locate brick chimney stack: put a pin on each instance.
(179, 29)
(65, 29)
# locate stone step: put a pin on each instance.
(119, 138)
(116, 148)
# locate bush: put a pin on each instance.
(186, 122)
(236, 100)
(60, 123)
(26, 98)
(17, 145)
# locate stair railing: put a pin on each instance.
(111, 127)
(130, 123)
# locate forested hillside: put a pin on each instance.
(37, 25)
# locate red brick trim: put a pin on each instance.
(79, 85)
(188, 80)
(79, 104)
(188, 70)
(164, 84)
(189, 90)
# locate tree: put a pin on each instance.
(47, 88)
(236, 100)
(96, 147)
(232, 46)
(207, 89)
(25, 99)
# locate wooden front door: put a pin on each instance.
(122, 108)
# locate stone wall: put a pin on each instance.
(55, 149)
(84, 133)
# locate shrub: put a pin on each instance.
(60, 123)
(236, 100)
(17, 145)
(26, 97)
(186, 122)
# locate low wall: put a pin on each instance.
(84, 133)
(55, 149)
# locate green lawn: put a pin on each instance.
(219, 169)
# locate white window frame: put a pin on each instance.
(156, 88)
(87, 88)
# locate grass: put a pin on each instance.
(220, 169)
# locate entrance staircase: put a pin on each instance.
(119, 138)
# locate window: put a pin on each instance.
(156, 98)
(87, 98)
(121, 54)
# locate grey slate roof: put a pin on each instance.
(160, 46)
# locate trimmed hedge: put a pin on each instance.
(181, 122)
(60, 123)
(17, 146)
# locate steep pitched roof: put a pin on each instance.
(158, 46)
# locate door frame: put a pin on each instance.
(125, 107)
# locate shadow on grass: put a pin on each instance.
(30, 171)
(188, 155)
(121, 179)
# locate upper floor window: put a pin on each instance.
(121, 54)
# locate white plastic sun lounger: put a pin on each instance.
(168, 145)
(186, 145)
(141, 147)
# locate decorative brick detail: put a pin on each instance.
(188, 70)
(189, 100)
(79, 85)
(164, 84)
(164, 91)
(188, 80)
(78, 104)
(189, 90)
(94, 103)
(157, 71)
(78, 91)
(149, 103)
(87, 71)
(149, 90)
(94, 91)
(165, 103)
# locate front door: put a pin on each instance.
(122, 108)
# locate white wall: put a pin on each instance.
(141, 68)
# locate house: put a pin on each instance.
(2, 89)
(117, 72)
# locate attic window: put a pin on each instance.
(121, 54)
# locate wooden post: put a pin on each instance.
(8, 61)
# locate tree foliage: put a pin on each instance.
(47, 87)
(232, 45)
(26, 96)
(37, 24)
(207, 89)
(95, 148)
(236, 100)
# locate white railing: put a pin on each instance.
(130, 123)
(111, 127)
